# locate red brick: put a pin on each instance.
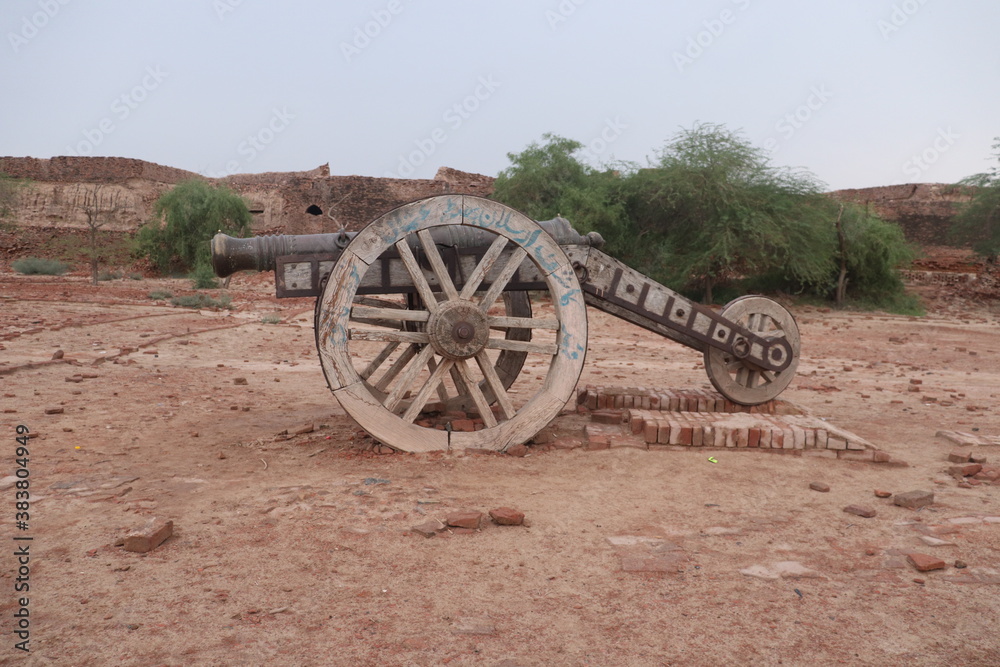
(914, 499)
(149, 536)
(464, 425)
(858, 510)
(650, 430)
(506, 516)
(753, 439)
(467, 519)
(687, 435)
(517, 450)
(925, 563)
(968, 470)
(960, 456)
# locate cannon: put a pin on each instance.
(460, 308)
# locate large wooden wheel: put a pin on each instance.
(390, 363)
(739, 380)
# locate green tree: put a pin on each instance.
(547, 180)
(978, 222)
(712, 211)
(184, 221)
(726, 212)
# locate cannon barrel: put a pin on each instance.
(230, 254)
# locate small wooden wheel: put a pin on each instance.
(390, 366)
(735, 378)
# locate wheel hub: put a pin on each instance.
(458, 329)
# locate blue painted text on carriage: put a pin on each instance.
(526, 238)
(567, 345)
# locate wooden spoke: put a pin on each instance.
(396, 367)
(477, 394)
(406, 379)
(499, 322)
(513, 263)
(378, 360)
(484, 266)
(390, 336)
(433, 383)
(437, 264)
(393, 314)
(496, 386)
(522, 346)
(416, 275)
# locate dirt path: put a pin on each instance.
(299, 550)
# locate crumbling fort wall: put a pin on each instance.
(280, 202)
(923, 210)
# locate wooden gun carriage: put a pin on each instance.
(426, 311)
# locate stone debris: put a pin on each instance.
(882, 494)
(914, 499)
(54, 411)
(429, 528)
(58, 354)
(467, 519)
(819, 486)
(149, 536)
(506, 516)
(925, 563)
(935, 542)
(240, 381)
(968, 439)
(671, 562)
(859, 510)
(517, 450)
(960, 565)
(788, 569)
(302, 430)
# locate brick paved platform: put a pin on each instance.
(678, 419)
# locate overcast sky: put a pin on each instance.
(860, 92)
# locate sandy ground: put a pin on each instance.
(300, 550)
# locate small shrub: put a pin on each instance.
(271, 319)
(108, 275)
(202, 301)
(160, 295)
(38, 266)
(135, 276)
(204, 277)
